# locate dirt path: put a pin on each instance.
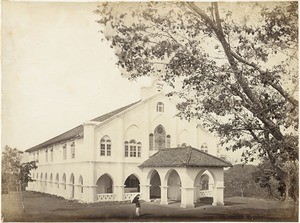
(44, 208)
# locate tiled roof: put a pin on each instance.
(183, 157)
(77, 130)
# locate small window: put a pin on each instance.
(168, 141)
(46, 155)
(204, 147)
(160, 107)
(51, 154)
(65, 151)
(73, 150)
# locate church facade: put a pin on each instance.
(140, 148)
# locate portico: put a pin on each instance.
(180, 171)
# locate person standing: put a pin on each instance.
(137, 205)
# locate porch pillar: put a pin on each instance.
(164, 194)
(90, 194)
(197, 193)
(119, 191)
(145, 192)
(187, 197)
(218, 195)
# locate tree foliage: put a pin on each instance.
(15, 175)
(238, 69)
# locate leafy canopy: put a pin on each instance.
(237, 63)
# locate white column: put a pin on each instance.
(119, 191)
(187, 197)
(145, 192)
(164, 194)
(218, 196)
(89, 195)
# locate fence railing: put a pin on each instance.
(106, 197)
(205, 193)
(129, 196)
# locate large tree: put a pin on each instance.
(237, 63)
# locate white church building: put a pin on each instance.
(140, 148)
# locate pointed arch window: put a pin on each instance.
(159, 137)
(151, 147)
(160, 107)
(105, 146)
(81, 184)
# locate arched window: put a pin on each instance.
(160, 107)
(159, 137)
(168, 145)
(133, 148)
(105, 146)
(151, 147)
(81, 184)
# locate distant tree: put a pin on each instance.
(238, 181)
(15, 175)
(238, 67)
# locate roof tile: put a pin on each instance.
(183, 157)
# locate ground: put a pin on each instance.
(41, 207)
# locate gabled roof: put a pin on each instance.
(77, 131)
(183, 157)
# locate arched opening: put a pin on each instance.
(64, 181)
(104, 185)
(72, 186)
(51, 180)
(41, 182)
(46, 179)
(81, 184)
(203, 183)
(155, 183)
(174, 184)
(57, 180)
(132, 184)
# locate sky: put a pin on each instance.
(56, 71)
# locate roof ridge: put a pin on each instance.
(56, 139)
(189, 155)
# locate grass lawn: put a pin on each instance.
(46, 208)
